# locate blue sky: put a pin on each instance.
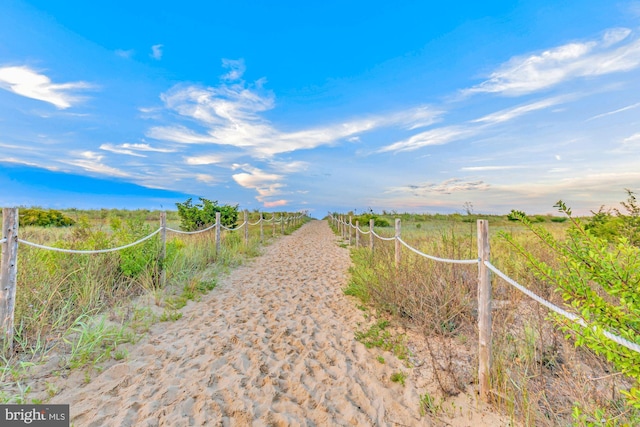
(326, 106)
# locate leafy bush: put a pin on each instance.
(365, 218)
(202, 215)
(600, 280)
(44, 217)
(611, 224)
(515, 215)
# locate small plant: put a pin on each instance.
(399, 377)
(52, 389)
(428, 405)
(120, 354)
(170, 316)
(380, 359)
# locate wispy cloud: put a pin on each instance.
(156, 51)
(439, 136)
(522, 75)
(31, 84)
(619, 110)
(512, 113)
(120, 150)
(92, 162)
(448, 186)
(232, 114)
(126, 54)
(207, 159)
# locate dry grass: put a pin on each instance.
(538, 377)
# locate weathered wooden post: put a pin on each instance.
(217, 233)
(484, 310)
(371, 224)
(397, 240)
(282, 225)
(350, 228)
(357, 234)
(273, 224)
(163, 248)
(8, 274)
(246, 229)
(261, 229)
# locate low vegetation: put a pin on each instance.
(86, 307)
(546, 371)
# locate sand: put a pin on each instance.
(272, 345)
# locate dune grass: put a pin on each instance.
(86, 306)
(538, 377)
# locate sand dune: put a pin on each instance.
(273, 345)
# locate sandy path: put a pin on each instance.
(272, 345)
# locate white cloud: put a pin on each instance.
(126, 54)
(267, 185)
(448, 186)
(439, 136)
(92, 162)
(146, 147)
(156, 51)
(512, 113)
(31, 84)
(208, 159)
(207, 179)
(276, 203)
(236, 68)
(522, 75)
(289, 167)
(231, 114)
(631, 141)
(120, 150)
(619, 110)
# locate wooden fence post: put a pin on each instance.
(350, 229)
(371, 223)
(261, 230)
(282, 225)
(357, 234)
(246, 229)
(484, 310)
(397, 242)
(163, 247)
(217, 233)
(273, 225)
(8, 274)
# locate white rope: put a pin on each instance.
(234, 229)
(190, 232)
(3, 240)
(450, 261)
(628, 344)
(383, 238)
(259, 221)
(97, 251)
(363, 232)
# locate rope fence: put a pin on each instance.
(10, 240)
(346, 227)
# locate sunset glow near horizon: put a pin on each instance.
(320, 106)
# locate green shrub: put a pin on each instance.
(202, 215)
(600, 281)
(43, 218)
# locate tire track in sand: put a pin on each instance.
(273, 344)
